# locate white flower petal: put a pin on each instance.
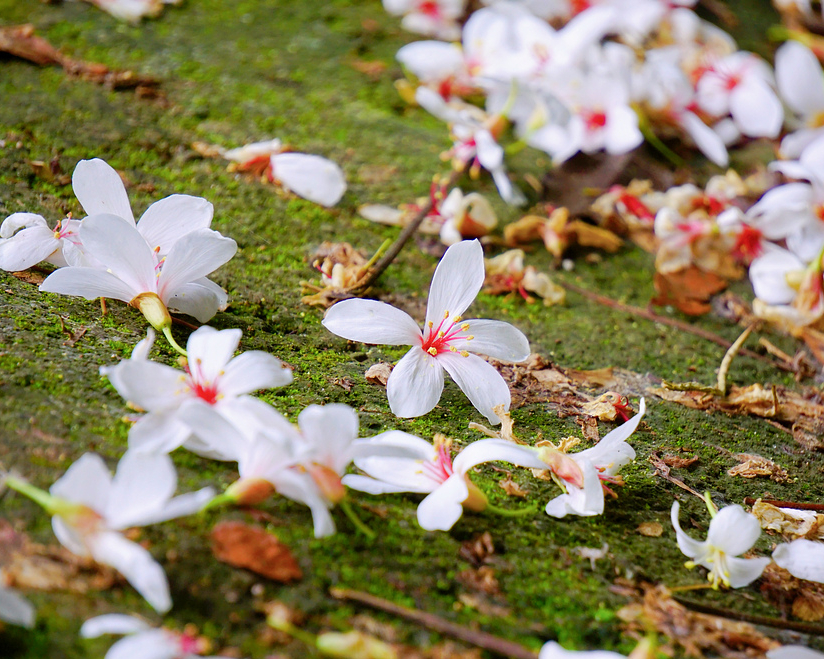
(799, 78)
(330, 430)
(151, 386)
(370, 321)
(312, 177)
(121, 249)
(112, 623)
(201, 299)
(27, 248)
(168, 220)
(394, 474)
(705, 138)
(743, 571)
(804, 559)
(142, 484)
(586, 501)
(456, 282)
(442, 508)
(210, 350)
(488, 450)
(217, 437)
(69, 537)
(87, 481)
(253, 370)
(415, 385)
(195, 255)
(15, 609)
(495, 339)
(479, 380)
(755, 109)
(794, 652)
(300, 487)
(89, 283)
(686, 544)
(158, 432)
(150, 644)
(733, 530)
(99, 189)
(136, 564)
(17, 221)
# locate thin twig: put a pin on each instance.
(664, 320)
(778, 623)
(431, 621)
(732, 351)
(797, 505)
(370, 277)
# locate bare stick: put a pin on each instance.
(664, 320)
(732, 351)
(372, 274)
(778, 623)
(431, 621)
(797, 505)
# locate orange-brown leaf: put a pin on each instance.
(250, 547)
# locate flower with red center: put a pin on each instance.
(212, 377)
(748, 244)
(416, 383)
(142, 641)
(430, 470)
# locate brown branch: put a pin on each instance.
(431, 621)
(778, 623)
(665, 320)
(817, 507)
(371, 275)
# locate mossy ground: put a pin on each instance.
(249, 70)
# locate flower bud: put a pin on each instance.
(354, 645)
(152, 307)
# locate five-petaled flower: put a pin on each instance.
(416, 383)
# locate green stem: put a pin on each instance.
(350, 513)
(219, 500)
(167, 332)
(506, 512)
(655, 141)
(384, 246)
(288, 628)
(710, 505)
(51, 504)
(515, 147)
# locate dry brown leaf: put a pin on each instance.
(588, 235)
(677, 462)
(21, 41)
(804, 599)
(250, 547)
(481, 579)
(478, 550)
(341, 266)
(511, 487)
(650, 529)
(688, 290)
(663, 470)
(483, 606)
(378, 373)
(699, 634)
(31, 276)
(753, 466)
(371, 68)
(814, 341)
(789, 522)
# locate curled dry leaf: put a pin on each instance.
(341, 266)
(804, 599)
(677, 462)
(698, 634)
(789, 522)
(480, 579)
(512, 488)
(378, 373)
(558, 233)
(753, 466)
(478, 550)
(506, 274)
(250, 547)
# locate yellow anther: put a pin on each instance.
(464, 327)
(453, 349)
(441, 334)
(470, 337)
(464, 353)
(431, 324)
(433, 351)
(456, 319)
(445, 315)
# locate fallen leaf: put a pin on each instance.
(478, 550)
(371, 68)
(804, 598)
(699, 634)
(650, 529)
(378, 373)
(789, 522)
(250, 547)
(481, 579)
(688, 290)
(753, 466)
(511, 487)
(677, 462)
(482, 606)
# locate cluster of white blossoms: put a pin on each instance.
(615, 71)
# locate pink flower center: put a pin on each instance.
(200, 386)
(440, 339)
(594, 120)
(188, 644)
(430, 8)
(441, 467)
(748, 243)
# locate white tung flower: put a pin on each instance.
(15, 609)
(416, 383)
(802, 558)
(732, 532)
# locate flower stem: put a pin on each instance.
(384, 246)
(695, 586)
(353, 517)
(655, 141)
(49, 503)
(167, 332)
(219, 500)
(506, 512)
(711, 507)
